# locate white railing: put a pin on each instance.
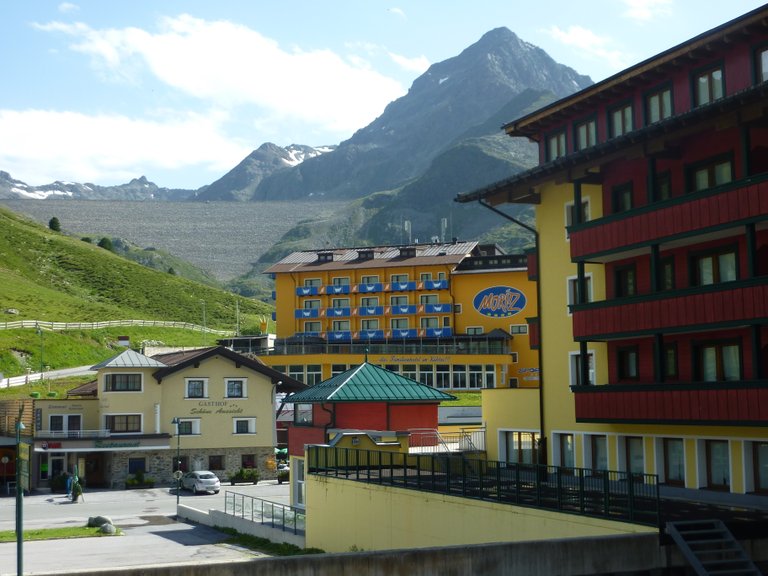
(72, 434)
(429, 441)
(57, 326)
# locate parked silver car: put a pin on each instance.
(201, 481)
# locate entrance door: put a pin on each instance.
(718, 465)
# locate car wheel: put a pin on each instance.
(215, 491)
(195, 490)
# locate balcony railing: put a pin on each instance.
(733, 203)
(346, 311)
(432, 346)
(431, 441)
(72, 434)
(372, 287)
(730, 303)
(740, 403)
(613, 495)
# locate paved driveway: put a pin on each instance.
(145, 517)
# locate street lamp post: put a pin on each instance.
(176, 423)
(19, 502)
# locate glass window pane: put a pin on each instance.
(719, 471)
(722, 173)
(717, 84)
(731, 362)
(709, 364)
(702, 90)
(600, 453)
(675, 460)
(727, 266)
(701, 179)
(705, 271)
(761, 457)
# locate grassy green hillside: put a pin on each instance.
(48, 276)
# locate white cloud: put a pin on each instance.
(40, 146)
(419, 64)
(590, 45)
(647, 10)
(66, 7)
(397, 12)
(227, 65)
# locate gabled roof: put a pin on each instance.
(87, 389)
(369, 383)
(129, 359)
(175, 361)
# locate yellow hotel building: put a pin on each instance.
(450, 315)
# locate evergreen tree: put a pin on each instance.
(106, 243)
(54, 224)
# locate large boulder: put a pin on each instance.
(108, 529)
(97, 521)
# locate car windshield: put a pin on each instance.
(208, 476)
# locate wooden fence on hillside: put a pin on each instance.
(58, 326)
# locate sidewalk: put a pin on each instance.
(151, 536)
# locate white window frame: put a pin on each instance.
(187, 381)
(395, 300)
(251, 426)
(394, 324)
(398, 278)
(311, 304)
(425, 276)
(139, 391)
(369, 279)
(425, 299)
(475, 330)
(112, 414)
(65, 422)
(241, 379)
(568, 213)
(337, 326)
(571, 282)
(518, 328)
(340, 303)
(313, 326)
(369, 324)
(369, 302)
(340, 281)
(429, 322)
(312, 282)
(573, 367)
(195, 422)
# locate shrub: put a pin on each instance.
(245, 475)
(106, 243)
(54, 224)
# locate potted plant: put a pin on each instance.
(77, 490)
(139, 481)
(283, 475)
(244, 475)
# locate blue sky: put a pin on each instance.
(182, 90)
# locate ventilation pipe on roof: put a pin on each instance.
(542, 452)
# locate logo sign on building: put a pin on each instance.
(499, 301)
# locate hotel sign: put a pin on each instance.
(499, 301)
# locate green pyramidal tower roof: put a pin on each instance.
(369, 383)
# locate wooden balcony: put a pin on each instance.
(728, 304)
(734, 203)
(743, 403)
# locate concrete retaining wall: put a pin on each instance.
(635, 554)
(217, 518)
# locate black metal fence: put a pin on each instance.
(609, 494)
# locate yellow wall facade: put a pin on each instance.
(508, 409)
(344, 515)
